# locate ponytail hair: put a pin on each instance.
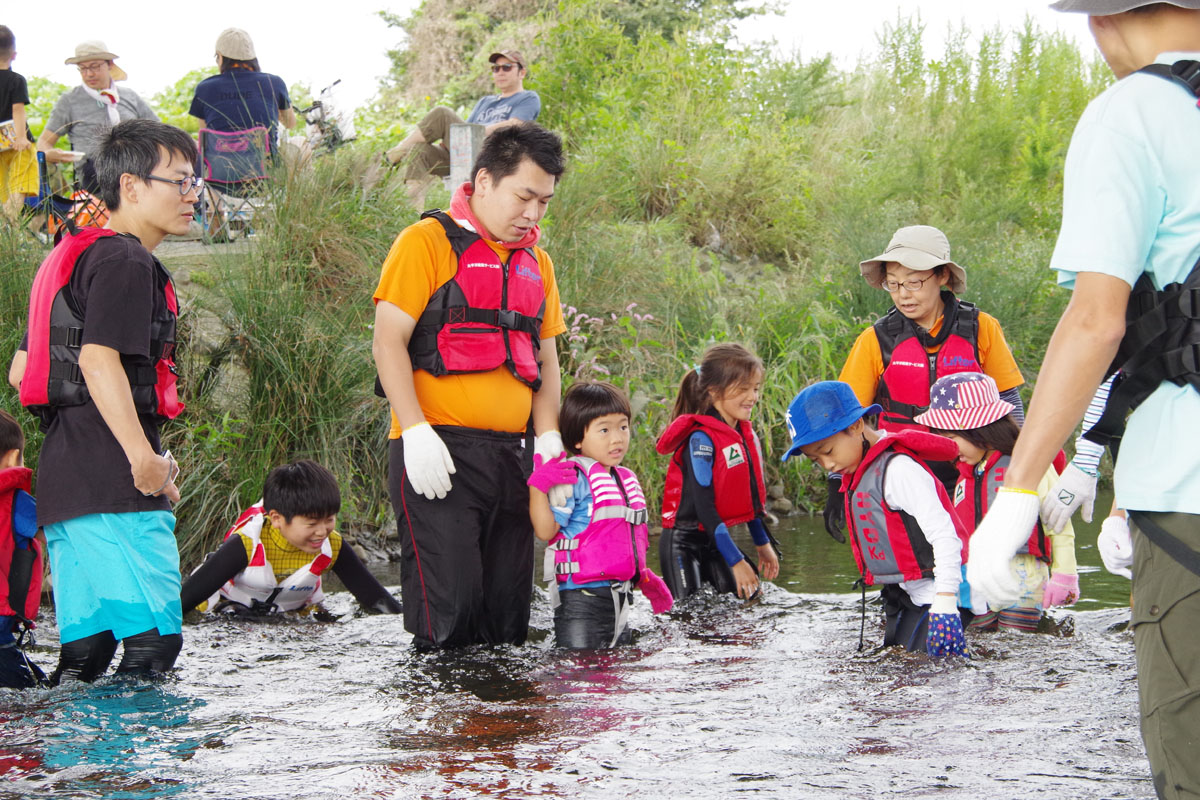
(723, 367)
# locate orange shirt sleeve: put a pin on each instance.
(552, 319)
(863, 367)
(415, 267)
(995, 357)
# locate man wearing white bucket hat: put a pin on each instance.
(87, 111)
(1130, 237)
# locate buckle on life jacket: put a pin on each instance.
(564, 544)
(566, 568)
(1189, 303)
(70, 336)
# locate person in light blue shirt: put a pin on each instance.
(1131, 208)
(511, 104)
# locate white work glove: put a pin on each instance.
(1007, 524)
(548, 445)
(1075, 489)
(427, 461)
(1115, 546)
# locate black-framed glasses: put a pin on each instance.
(504, 67)
(912, 284)
(186, 185)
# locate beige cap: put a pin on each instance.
(918, 247)
(1104, 8)
(96, 50)
(512, 55)
(235, 44)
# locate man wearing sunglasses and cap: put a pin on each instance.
(511, 104)
(1130, 236)
(87, 111)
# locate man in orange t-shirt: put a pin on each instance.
(466, 312)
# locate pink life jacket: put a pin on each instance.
(888, 545)
(52, 378)
(488, 315)
(256, 585)
(613, 545)
(909, 370)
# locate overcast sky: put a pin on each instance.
(346, 39)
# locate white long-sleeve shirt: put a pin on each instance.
(908, 487)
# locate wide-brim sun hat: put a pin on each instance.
(96, 50)
(821, 410)
(918, 247)
(964, 401)
(1104, 8)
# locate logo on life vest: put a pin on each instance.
(734, 456)
(958, 361)
(527, 273)
(960, 493)
(472, 264)
(899, 363)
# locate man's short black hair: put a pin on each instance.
(584, 402)
(505, 148)
(11, 435)
(303, 488)
(8, 42)
(135, 146)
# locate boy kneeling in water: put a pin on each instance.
(277, 550)
(903, 529)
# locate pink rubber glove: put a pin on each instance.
(1060, 590)
(656, 591)
(548, 473)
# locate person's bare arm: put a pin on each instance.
(393, 329)
(45, 144)
(540, 513)
(1080, 351)
(495, 126)
(16, 370)
(546, 398)
(287, 117)
(109, 387)
(18, 118)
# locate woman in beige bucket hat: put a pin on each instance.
(928, 333)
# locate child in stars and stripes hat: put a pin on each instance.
(967, 408)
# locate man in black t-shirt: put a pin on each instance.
(105, 490)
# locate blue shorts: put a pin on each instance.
(115, 572)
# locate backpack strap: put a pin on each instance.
(1185, 73)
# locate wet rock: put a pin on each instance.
(775, 491)
(781, 505)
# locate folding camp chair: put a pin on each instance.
(234, 168)
(81, 210)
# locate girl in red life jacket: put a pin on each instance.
(967, 408)
(596, 551)
(903, 531)
(714, 483)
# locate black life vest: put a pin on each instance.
(52, 377)
(1162, 327)
(488, 315)
(910, 370)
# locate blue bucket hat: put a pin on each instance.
(821, 410)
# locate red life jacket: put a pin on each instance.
(909, 370)
(11, 480)
(888, 545)
(613, 545)
(52, 377)
(975, 490)
(738, 484)
(488, 315)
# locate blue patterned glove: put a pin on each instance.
(945, 630)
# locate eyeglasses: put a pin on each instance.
(912, 284)
(95, 66)
(186, 185)
(504, 67)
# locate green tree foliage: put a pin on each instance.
(172, 103)
(43, 94)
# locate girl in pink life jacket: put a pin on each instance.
(714, 484)
(903, 531)
(967, 408)
(596, 551)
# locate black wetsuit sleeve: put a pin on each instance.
(229, 560)
(362, 584)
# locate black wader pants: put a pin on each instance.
(467, 560)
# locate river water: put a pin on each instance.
(716, 699)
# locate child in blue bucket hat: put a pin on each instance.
(903, 530)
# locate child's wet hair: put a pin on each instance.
(303, 488)
(723, 367)
(11, 435)
(584, 402)
(1000, 435)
